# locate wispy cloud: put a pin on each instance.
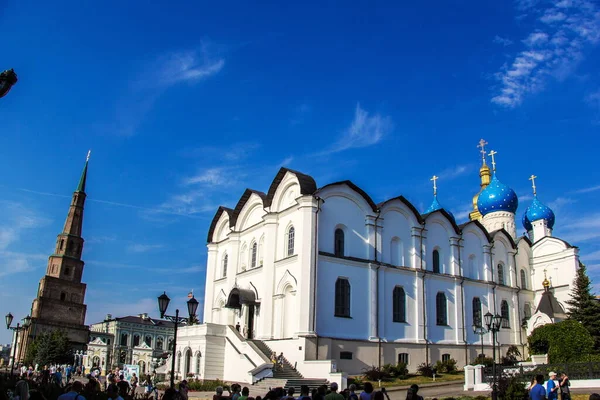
(587, 189)
(503, 41)
(144, 248)
(454, 172)
(561, 31)
(577, 230)
(217, 176)
(364, 131)
(183, 66)
(235, 152)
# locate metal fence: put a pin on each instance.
(575, 371)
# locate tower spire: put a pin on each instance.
(81, 186)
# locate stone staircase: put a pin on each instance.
(286, 376)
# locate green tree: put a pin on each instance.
(566, 341)
(583, 307)
(50, 347)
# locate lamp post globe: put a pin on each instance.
(163, 303)
(9, 318)
(27, 321)
(488, 317)
(192, 305)
(497, 322)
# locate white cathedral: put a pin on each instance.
(337, 282)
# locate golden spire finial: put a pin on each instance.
(546, 282)
(481, 145)
(492, 154)
(88, 156)
(434, 178)
(532, 179)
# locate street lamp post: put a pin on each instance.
(480, 330)
(493, 323)
(8, 319)
(7, 79)
(163, 304)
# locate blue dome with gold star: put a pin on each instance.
(537, 210)
(435, 205)
(497, 197)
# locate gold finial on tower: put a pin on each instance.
(532, 179)
(434, 178)
(481, 145)
(546, 282)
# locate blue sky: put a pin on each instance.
(185, 106)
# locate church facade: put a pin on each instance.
(338, 282)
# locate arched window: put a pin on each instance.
(403, 358)
(124, 338)
(290, 241)
(342, 298)
(505, 314)
(224, 266)
(436, 261)
(67, 270)
(63, 296)
(441, 311)
(253, 255)
(501, 274)
(148, 340)
(178, 369)
(136, 340)
(170, 344)
(523, 279)
(159, 343)
(471, 268)
(527, 310)
(396, 252)
(198, 358)
(445, 357)
(477, 311)
(399, 304)
(338, 246)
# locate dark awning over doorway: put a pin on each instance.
(238, 297)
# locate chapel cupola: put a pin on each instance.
(538, 219)
(484, 176)
(497, 204)
(435, 204)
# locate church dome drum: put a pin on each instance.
(537, 210)
(497, 197)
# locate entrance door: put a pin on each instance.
(250, 322)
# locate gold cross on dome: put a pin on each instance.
(492, 154)
(88, 156)
(532, 179)
(481, 145)
(434, 178)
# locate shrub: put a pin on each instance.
(564, 342)
(448, 366)
(426, 369)
(396, 371)
(487, 361)
(374, 374)
(511, 388)
(512, 356)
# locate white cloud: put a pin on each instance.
(552, 50)
(210, 177)
(588, 189)
(144, 248)
(503, 41)
(364, 131)
(454, 172)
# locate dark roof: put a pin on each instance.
(307, 184)
(479, 225)
(242, 202)
(406, 203)
(446, 214)
(510, 239)
(358, 190)
(213, 224)
(525, 238)
(549, 305)
(145, 321)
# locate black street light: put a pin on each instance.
(163, 304)
(480, 330)
(8, 319)
(493, 323)
(7, 79)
